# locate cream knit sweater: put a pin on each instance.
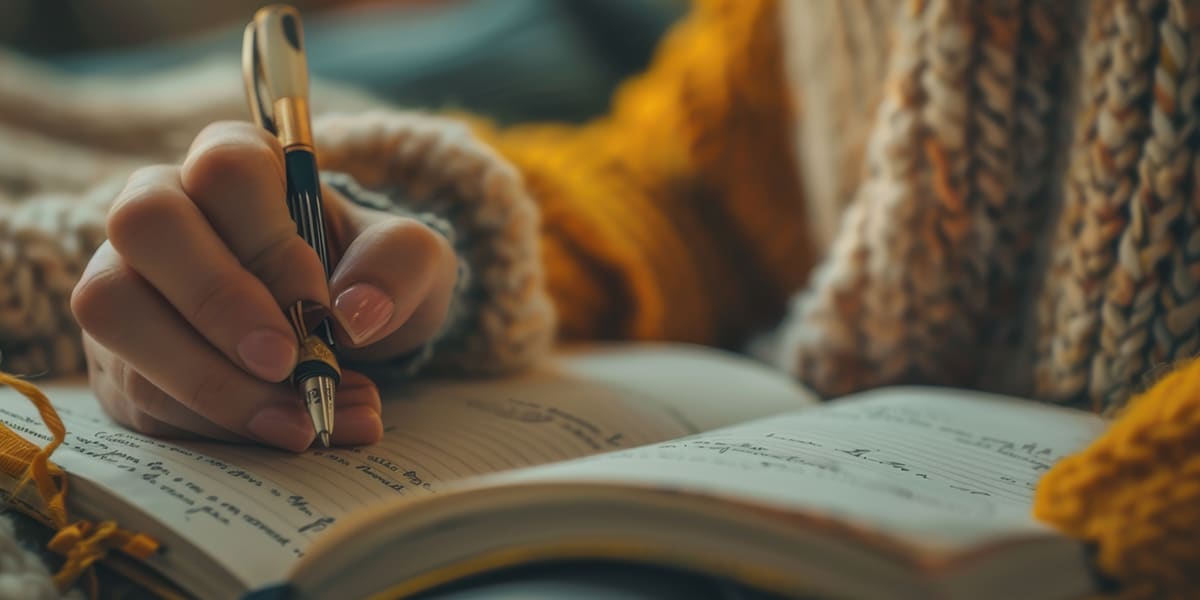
(1002, 194)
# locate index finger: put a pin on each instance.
(234, 174)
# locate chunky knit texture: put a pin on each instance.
(1008, 206)
(1135, 493)
(997, 194)
(426, 166)
(22, 572)
(503, 320)
(677, 215)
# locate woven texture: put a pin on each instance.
(22, 573)
(62, 169)
(996, 194)
(1135, 493)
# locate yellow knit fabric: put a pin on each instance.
(653, 216)
(679, 216)
(1135, 492)
(685, 201)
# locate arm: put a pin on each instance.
(651, 219)
(676, 216)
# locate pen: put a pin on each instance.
(274, 66)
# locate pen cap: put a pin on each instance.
(281, 51)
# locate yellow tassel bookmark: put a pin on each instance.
(81, 543)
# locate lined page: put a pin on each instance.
(940, 468)
(274, 504)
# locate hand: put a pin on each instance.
(182, 307)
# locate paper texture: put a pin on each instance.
(275, 503)
(943, 469)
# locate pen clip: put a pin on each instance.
(252, 77)
(273, 62)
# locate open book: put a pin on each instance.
(671, 455)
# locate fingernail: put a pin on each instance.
(281, 426)
(268, 354)
(363, 309)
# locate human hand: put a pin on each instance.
(181, 309)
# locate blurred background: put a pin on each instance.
(512, 60)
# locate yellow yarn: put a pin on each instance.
(653, 215)
(1135, 492)
(82, 543)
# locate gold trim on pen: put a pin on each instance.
(314, 348)
(293, 124)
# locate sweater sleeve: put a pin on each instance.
(676, 215)
(425, 167)
(45, 242)
(434, 169)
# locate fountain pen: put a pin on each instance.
(276, 79)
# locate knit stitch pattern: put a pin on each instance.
(22, 573)
(675, 216)
(1011, 206)
(436, 165)
(933, 254)
(1135, 492)
(50, 224)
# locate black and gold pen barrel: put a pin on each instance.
(317, 372)
(276, 78)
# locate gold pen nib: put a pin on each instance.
(318, 397)
(316, 376)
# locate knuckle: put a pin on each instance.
(228, 130)
(142, 207)
(419, 240)
(217, 297)
(97, 296)
(283, 259)
(230, 155)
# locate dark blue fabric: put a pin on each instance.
(512, 60)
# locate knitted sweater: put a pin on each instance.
(990, 194)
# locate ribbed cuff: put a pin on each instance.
(434, 169)
(413, 361)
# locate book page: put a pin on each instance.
(256, 509)
(936, 468)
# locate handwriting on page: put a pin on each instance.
(893, 450)
(286, 498)
(183, 484)
(278, 502)
(983, 465)
(892, 463)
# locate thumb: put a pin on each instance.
(391, 288)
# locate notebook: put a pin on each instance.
(653, 454)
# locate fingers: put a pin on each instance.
(182, 307)
(174, 358)
(181, 385)
(234, 174)
(357, 412)
(162, 235)
(392, 287)
(131, 400)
